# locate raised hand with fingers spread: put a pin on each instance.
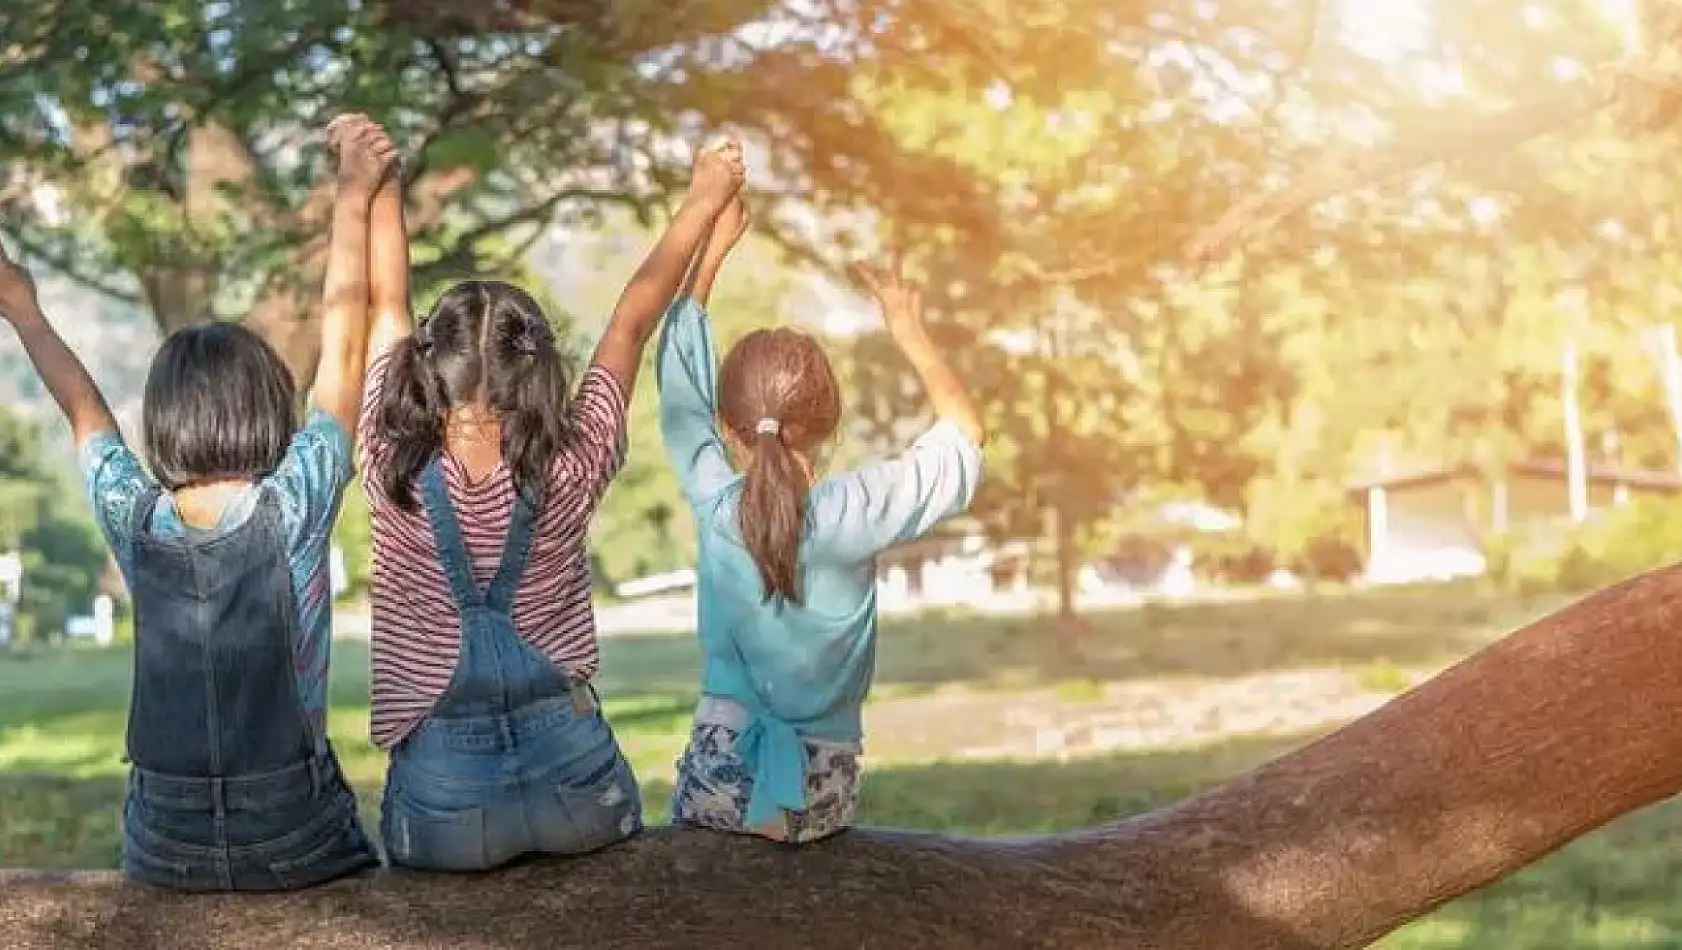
(900, 299)
(902, 312)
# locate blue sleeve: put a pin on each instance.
(686, 374)
(311, 479)
(115, 482)
(858, 515)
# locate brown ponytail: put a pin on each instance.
(777, 394)
(412, 409)
(772, 515)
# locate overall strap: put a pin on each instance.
(140, 519)
(446, 533)
(515, 550)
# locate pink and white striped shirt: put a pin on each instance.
(415, 624)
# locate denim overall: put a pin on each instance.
(514, 758)
(230, 788)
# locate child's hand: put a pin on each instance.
(902, 301)
(718, 175)
(366, 153)
(17, 290)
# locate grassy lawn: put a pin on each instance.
(62, 718)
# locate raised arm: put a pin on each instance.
(365, 156)
(727, 231)
(388, 269)
(902, 311)
(686, 369)
(898, 499)
(717, 176)
(60, 371)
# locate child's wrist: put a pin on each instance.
(704, 203)
(358, 190)
(28, 317)
(913, 340)
(354, 205)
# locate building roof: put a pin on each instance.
(1543, 468)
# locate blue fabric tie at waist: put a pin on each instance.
(776, 758)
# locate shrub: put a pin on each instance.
(1611, 545)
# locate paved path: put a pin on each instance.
(1135, 715)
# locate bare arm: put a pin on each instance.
(388, 268)
(902, 310)
(717, 176)
(60, 371)
(947, 394)
(364, 156)
(721, 239)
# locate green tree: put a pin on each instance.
(61, 552)
(165, 152)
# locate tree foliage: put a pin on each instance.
(43, 521)
(180, 144)
(1181, 251)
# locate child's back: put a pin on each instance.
(233, 784)
(483, 473)
(786, 589)
(415, 639)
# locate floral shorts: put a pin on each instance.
(713, 784)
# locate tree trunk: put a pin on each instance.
(1532, 742)
(1068, 565)
(287, 312)
(289, 317)
(1064, 555)
(284, 315)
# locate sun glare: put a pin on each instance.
(1385, 30)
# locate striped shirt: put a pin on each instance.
(415, 629)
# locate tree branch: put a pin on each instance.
(1407, 152)
(460, 253)
(70, 270)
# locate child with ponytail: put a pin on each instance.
(483, 468)
(786, 595)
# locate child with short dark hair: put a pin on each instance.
(233, 784)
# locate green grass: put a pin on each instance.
(62, 718)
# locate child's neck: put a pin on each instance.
(473, 436)
(201, 506)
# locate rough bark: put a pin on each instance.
(1532, 742)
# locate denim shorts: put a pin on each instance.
(473, 793)
(284, 830)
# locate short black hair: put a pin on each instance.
(220, 405)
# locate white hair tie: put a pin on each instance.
(768, 426)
